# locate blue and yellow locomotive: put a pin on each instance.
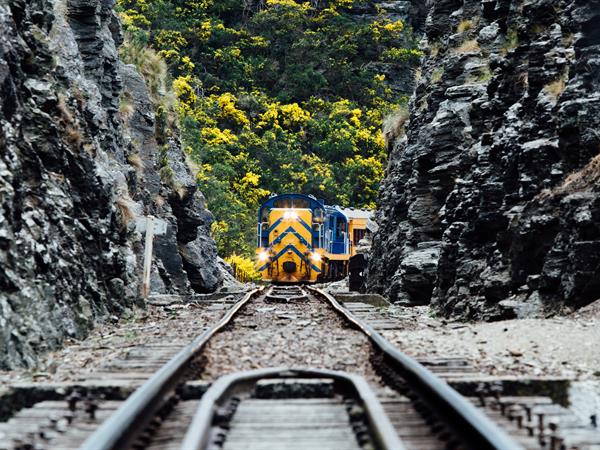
(301, 239)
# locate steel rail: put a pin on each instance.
(198, 433)
(469, 422)
(121, 429)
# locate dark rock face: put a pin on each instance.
(64, 252)
(68, 190)
(490, 203)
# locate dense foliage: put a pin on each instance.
(275, 96)
(243, 268)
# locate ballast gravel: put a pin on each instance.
(301, 333)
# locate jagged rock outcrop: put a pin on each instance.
(164, 186)
(490, 204)
(69, 186)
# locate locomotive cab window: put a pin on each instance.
(358, 235)
(340, 229)
(300, 203)
(283, 203)
(318, 216)
(264, 215)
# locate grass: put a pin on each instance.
(585, 178)
(465, 25)
(180, 190)
(126, 107)
(418, 74)
(136, 161)
(556, 87)
(568, 39)
(468, 46)
(73, 135)
(79, 96)
(129, 335)
(152, 67)
(524, 78)
(89, 149)
(192, 165)
(167, 175)
(65, 112)
(512, 40)
(159, 200)
(539, 28)
(393, 125)
(437, 74)
(124, 206)
(484, 75)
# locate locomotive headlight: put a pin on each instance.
(290, 215)
(263, 256)
(316, 257)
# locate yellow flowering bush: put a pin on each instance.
(216, 136)
(243, 267)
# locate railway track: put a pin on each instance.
(347, 388)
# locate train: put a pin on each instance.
(300, 239)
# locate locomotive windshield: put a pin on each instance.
(291, 203)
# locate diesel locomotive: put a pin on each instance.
(303, 240)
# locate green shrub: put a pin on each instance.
(511, 41)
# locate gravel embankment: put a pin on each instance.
(564, 346)
(176, 324)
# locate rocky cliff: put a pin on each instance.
(74, 174)
(491, 202)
